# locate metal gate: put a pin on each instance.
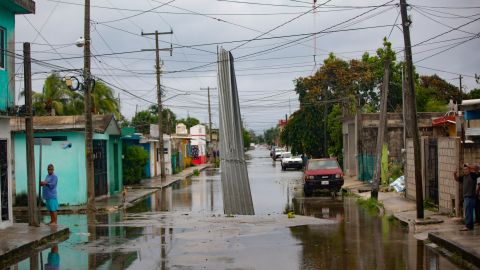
(4, 180)
(431, 170)
(100, 167)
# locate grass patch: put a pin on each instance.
(196, 172)
(371, 205)
(430, 206)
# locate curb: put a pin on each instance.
(466, 254)
(23, 252)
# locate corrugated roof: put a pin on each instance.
(62, 123)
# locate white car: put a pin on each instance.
(290, 161)
(278, 153)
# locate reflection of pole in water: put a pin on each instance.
(34, 261)
(162, 248)
(92, 257)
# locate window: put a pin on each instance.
(2, 48)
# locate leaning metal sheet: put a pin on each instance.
(237, 198)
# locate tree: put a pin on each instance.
(246, 138)
(53, 98)
(189, 121)
(142, 120)
(103, 100)
(133, 164)
(272, 135)
(474, 94)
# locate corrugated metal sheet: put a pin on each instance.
(237, 198)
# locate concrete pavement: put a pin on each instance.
(18, 240)
(440, 229)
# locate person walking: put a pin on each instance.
(469, 181)
(49, 186)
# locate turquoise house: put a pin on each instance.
(8, 10)
(67, 153)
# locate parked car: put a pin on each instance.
(278, 153)
(290, 161)
(322, 174)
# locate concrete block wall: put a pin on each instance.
(410, 171)
(448, 159)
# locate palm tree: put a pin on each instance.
(103, 101)
(53, 98)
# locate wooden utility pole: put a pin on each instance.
(411, 118)
(159, 96)
(88, 112)
(33, 217)
(382, 128)
(460, 77)
(210, 148)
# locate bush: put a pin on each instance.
(133, 165)
(196, 172)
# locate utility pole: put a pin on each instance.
(412, 127)
(382, 127)
(210, 148)
(88, 112)
(159, 95)
(33, 217)
(460, 77)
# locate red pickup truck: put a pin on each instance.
(322, 174)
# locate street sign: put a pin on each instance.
(42, 141)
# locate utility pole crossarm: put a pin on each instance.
(159, 95)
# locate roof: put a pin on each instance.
(101, 123)
(470, 105)
(19, 6)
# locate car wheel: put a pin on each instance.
(283, 168)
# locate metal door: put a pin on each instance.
(4, 180)
(431, 170)
(100, 167)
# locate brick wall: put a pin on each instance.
(448, 158)
(410, 171)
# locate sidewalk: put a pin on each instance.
(440, 229)
(20, 239)
(134, 193)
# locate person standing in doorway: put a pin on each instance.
(469, 180)
(50, 194)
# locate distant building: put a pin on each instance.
(199, 144)
(8, 10)
(67, 154)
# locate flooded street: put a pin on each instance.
(183, 227)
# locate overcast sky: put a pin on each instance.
(265, 71)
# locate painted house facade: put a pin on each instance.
(155, 151)
(199, 144)
(67, 153)
(181, 149)
(8, 10)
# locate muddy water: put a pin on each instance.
(183, 227)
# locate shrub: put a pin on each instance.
(133, 164)
(196, 172)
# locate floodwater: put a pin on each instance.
(183, 227)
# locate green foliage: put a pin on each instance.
(247, 139)
(141, 120)
(335, 130)
(371, 205)
(189, 121)
(433, 94)
(430, 206)
(57, 99)
(196, 172)
(384, 169)
(395, 170)
(271, 135)
(474, 94)
(133, 164)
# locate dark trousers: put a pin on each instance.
(469, 204)
(477, 211)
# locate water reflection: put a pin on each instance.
(356, 241)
